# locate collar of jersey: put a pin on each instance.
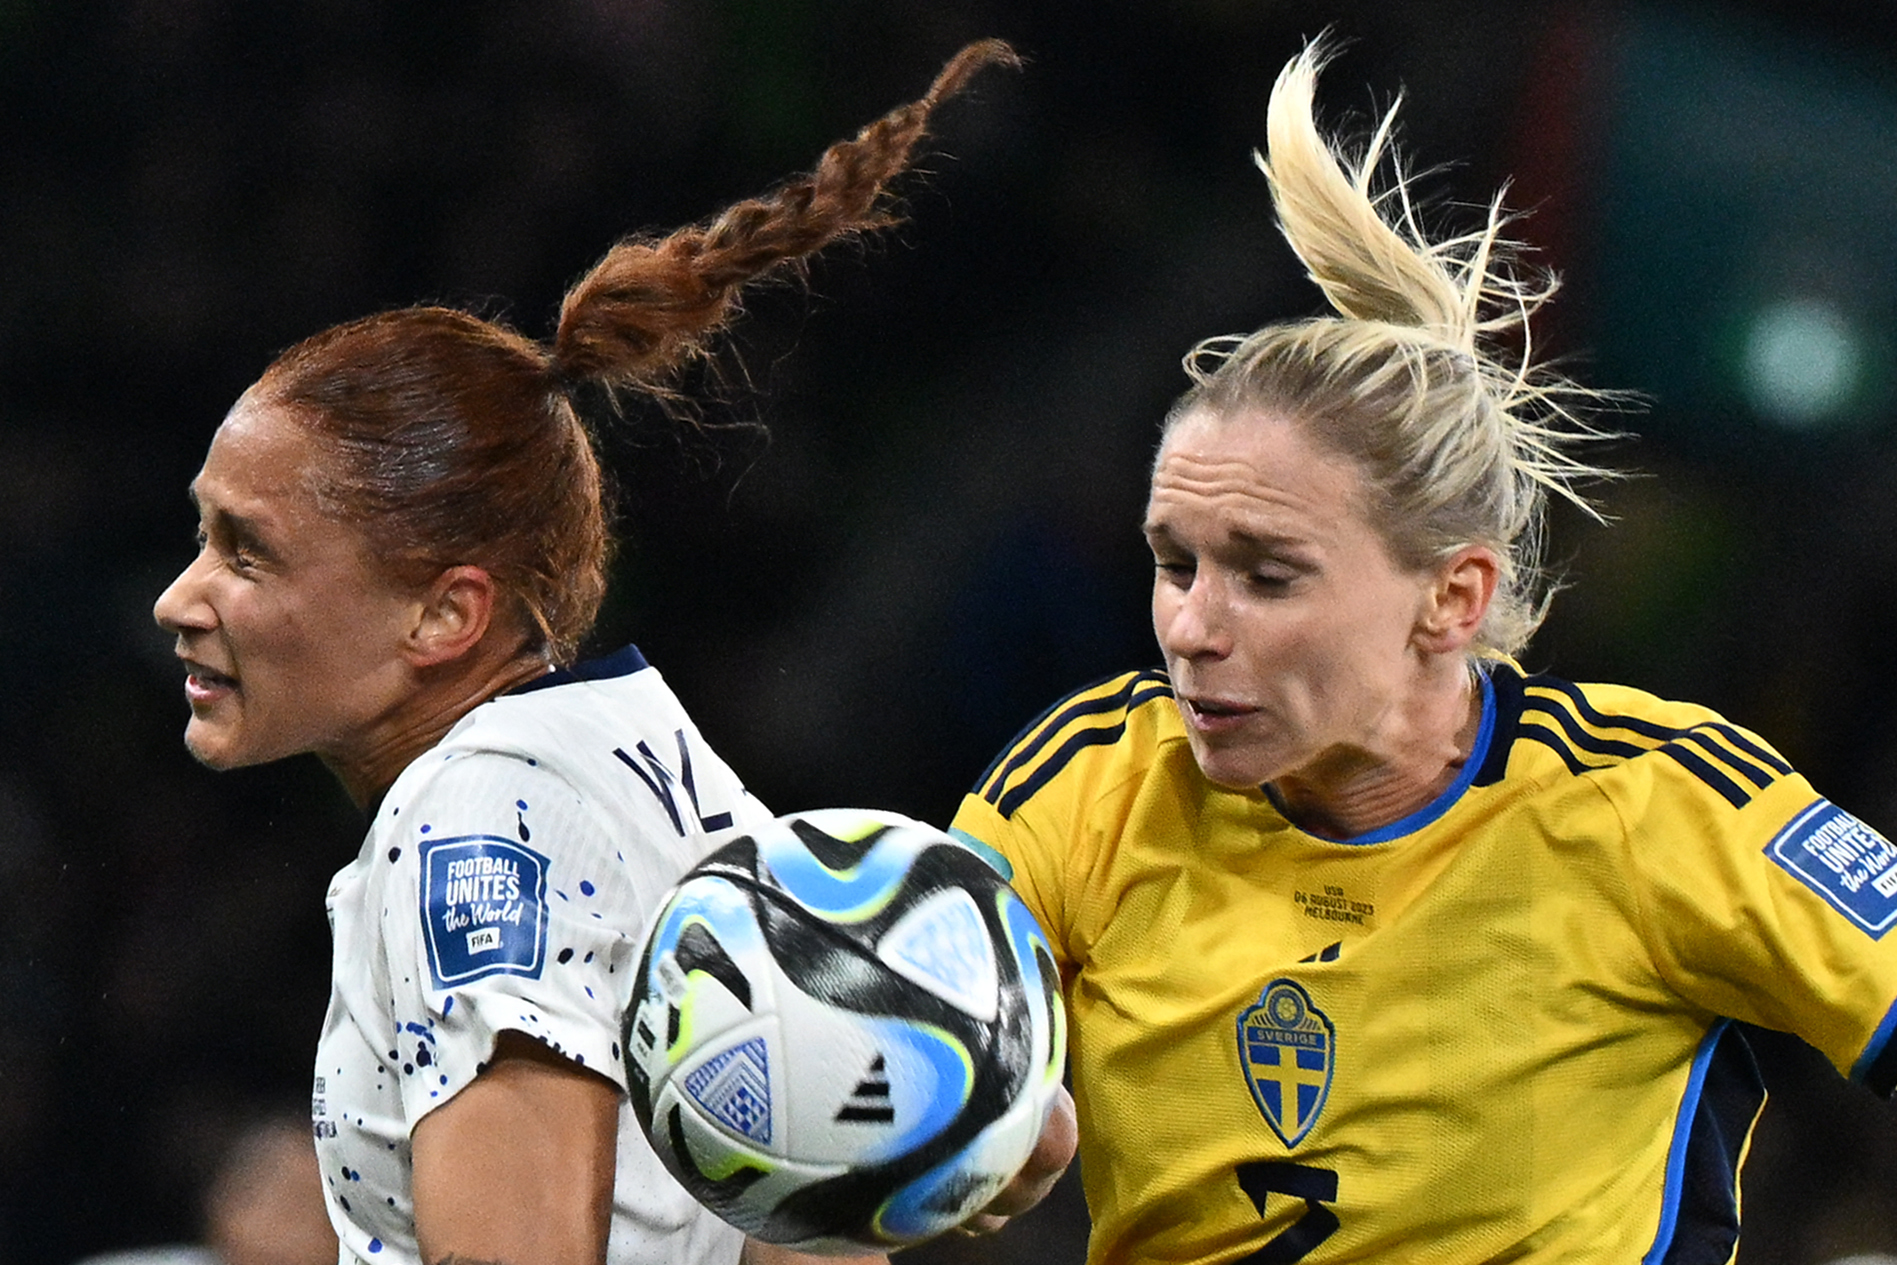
(622, 662)
(1442, 803)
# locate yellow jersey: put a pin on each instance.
(1496, 1030)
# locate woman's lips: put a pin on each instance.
(204, 684)
(1216, 715)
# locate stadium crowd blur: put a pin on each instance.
(940, 532)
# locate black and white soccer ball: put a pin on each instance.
(845, 1031)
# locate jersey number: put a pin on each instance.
(1315, 1186)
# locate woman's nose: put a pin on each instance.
(183, 606)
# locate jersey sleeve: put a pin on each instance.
(1034, 852)
(509, 908)
(1767, 903)
(1054, 802)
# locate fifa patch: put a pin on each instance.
(1844, 861)
(1288, 1048)
(484, 908)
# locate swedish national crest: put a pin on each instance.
(1288, 1048)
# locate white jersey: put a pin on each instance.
(504, 884)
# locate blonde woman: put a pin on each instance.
(1376, 948)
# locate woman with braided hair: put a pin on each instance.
(402, 542)
(1424, 958)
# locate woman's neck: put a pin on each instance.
(1353, 791)
(444, 694)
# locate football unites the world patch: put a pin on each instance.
(1288, 1048)
(484, 908)
(1844, 861)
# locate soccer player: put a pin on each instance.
(1374, 947)
(402, 542)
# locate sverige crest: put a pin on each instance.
(1288, 1048)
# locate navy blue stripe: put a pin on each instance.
(1706, 773)
(1702, 734)
(1702, 737)
(1105, 734)
(1552, 740)
(1705, 1203)
(1140, 688)
(1672, 738)
(1599, 719)
(1758, 751)
(623, 662)
(1581, 738)
(1560, 745)
(1021, 736)
(1064, 713)
(1506, 684)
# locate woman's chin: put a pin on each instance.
(212, 747)
(1234, 770)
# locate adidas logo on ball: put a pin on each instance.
(870, 1103)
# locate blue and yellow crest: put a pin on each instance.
(1287, 1047)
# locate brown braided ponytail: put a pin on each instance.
(648, 306)
(451, 440)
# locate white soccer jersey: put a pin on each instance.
(504, 883)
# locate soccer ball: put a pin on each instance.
(845, 1032)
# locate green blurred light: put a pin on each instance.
(1803, 363)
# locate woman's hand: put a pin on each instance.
(517, 1168)
(1050, 1158)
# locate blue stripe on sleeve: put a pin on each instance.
(1872, 1066)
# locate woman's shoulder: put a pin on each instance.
(1111, 731)
(1611, 702)
(589, 708)
(1610, 732)
(1611, 709)
(537, 735)
(617, 748)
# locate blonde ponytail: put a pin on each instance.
(1369, 268)
(1408, 378)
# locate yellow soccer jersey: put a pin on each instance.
(1497, 1030)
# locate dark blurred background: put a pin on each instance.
(939, 535)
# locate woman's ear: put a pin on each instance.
(1453, 608)
(451, 617)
